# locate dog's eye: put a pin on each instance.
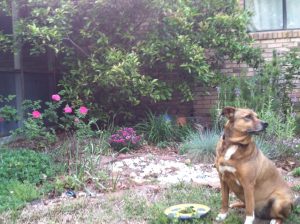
(248, 117)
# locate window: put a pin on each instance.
(274, 14)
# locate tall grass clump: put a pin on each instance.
(201, 146)
(161, 128)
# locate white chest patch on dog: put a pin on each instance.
(273, 221)
(230, 169)
(249, 219)
(230, 151)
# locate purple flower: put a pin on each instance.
(294, 99)
(125, 137)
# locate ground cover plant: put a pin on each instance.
(21, 173)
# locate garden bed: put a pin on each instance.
(146, 180)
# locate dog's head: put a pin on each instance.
(244, 120)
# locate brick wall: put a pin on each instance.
(281, 41)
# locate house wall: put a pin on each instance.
(281, 41)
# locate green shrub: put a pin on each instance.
(111, 65)
(25, 165)
(296, 172)
(201, 146)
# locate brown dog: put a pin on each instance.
(244, 170)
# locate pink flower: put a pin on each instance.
(36, 114)
(1, 119)
(56, 97)
(83, 110)
(68, 109)
(76, 120)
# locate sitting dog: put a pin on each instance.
(244, 170)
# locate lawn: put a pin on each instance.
(142, 205)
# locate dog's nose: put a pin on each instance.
(265, 124)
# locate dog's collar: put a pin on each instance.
(235, 143)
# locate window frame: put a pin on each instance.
(284, 15)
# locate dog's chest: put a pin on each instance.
(225, 165)
(230, 152)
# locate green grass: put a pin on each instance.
(201, 146)
(138, 206)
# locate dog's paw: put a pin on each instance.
(221, 217)
(275, 221)
(249, 219)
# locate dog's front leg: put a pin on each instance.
(225, 200)
(249, 202)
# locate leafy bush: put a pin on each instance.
(8, 112)
(25, 165)
(201, 146)
(40, 122)
(107, 54)
(125, 139)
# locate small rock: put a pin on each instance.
(82, 194)
(187, 162)
(45, 202)
(67, 218)
(132, 174)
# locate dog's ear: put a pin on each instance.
(228, 112)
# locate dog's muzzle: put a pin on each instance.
(261, 127)
(265, 125)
